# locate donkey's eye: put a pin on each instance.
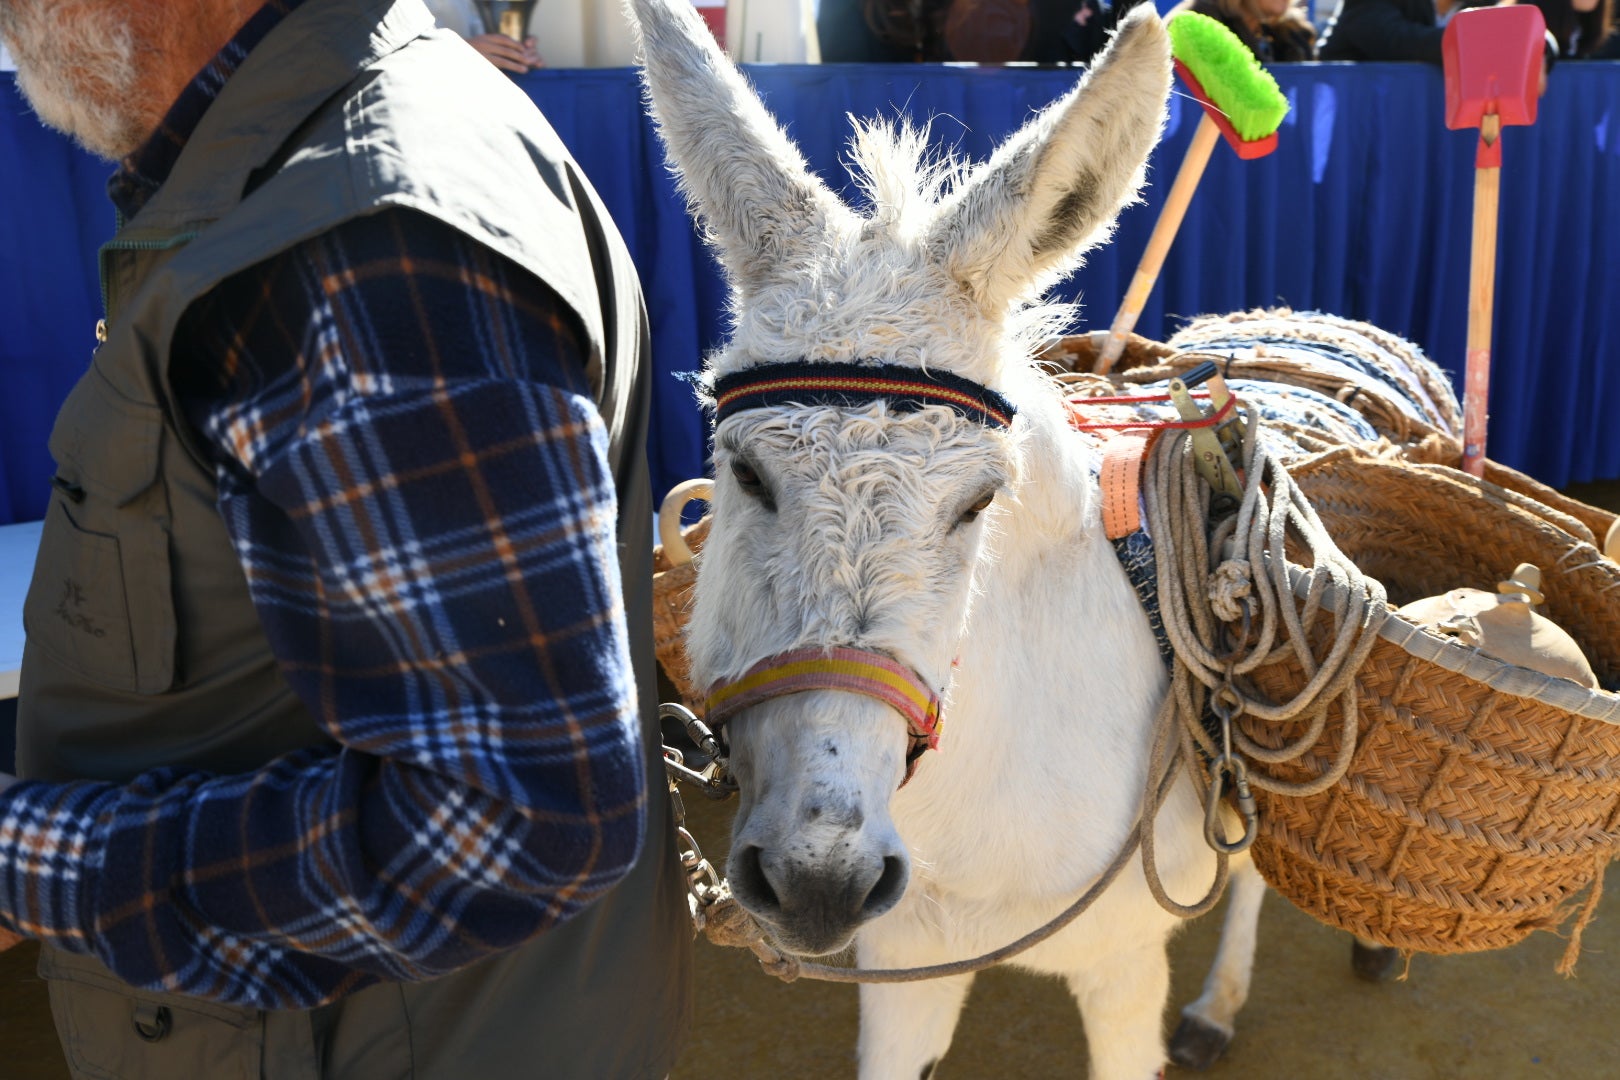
(749, 481)
(971, 513)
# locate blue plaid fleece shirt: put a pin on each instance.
(415, 478)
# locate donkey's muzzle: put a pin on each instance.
(814, 906)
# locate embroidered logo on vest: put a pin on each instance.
(67, 609)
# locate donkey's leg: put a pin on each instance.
(906, 1027)
(1372, 961)
(1122, 1003)
(1207, 1024)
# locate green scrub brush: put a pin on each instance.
(1241, 101)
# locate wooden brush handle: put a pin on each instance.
(1481, 301)
(1164, 233)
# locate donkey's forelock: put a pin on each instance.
(902, 173)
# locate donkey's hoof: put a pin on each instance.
(1372, 962)
(1197, 1043)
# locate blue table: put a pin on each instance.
(18, 545)
(1364, 210)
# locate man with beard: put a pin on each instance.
(336, 722)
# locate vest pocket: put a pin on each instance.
(100, 604)
(112, 1031)
(76, 610)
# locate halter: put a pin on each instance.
(905, 389)
(858, 671)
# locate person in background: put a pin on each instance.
(1076, 32)
(508, 55)
(1405, 30)
(1580, 27)
(1385, 30)
(1276, 31)
(984, 31)
(848, 35)
(337, 735)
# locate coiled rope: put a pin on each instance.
(1212, 583)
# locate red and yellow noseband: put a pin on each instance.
(856, 671)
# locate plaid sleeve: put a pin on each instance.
(415, 478)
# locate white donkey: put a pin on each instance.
(879, 505)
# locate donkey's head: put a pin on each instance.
(862, 445)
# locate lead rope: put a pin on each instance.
(1200, 603)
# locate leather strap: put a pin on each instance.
(1121, 481)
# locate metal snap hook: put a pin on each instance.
(1220, 770)
(714, 779)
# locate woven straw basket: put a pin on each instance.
(1482, 797)
(674, 574)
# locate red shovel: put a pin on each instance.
(1493, 73)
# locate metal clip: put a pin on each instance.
(1219, 770)
(714, 779)
(1226, 704)
(1209, 455)
(704, 886)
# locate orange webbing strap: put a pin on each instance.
(1121, 479)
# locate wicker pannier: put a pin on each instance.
(1482, 797)
(674, 574)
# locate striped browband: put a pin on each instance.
(906, 389)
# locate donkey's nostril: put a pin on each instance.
(749, 883)
(886, 893)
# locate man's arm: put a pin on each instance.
(415, 479)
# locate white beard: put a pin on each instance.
(77, 71)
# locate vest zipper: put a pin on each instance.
(129, 245)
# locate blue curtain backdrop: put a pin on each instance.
(1364, 210)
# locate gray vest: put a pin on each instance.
(143, 645)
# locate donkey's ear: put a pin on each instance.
(762, 205)
(1053, 189)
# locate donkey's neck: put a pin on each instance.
(1059, 673)
(1058, 502)
(1055, 599)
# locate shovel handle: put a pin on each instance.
(1481, 299)
(1164, 233)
